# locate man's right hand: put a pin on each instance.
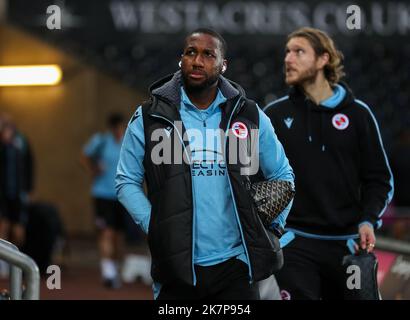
(367, 238)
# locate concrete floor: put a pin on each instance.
(80, 276)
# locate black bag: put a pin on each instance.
(43, 230)
(277, 251)
(367, 264)
(271, 198)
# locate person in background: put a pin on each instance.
(100, 156)
(16, 184)
(343, 178)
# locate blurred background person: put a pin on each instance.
(16, 184)
(100, 156)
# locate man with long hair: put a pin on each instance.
(343, 179)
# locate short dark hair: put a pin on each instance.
(212, 33)
(114, 120)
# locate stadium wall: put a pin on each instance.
(58, 120)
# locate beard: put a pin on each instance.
(195, 86)
(306, 76)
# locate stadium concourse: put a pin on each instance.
(105, 53)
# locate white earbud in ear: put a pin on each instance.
(179, 63)
(223, 69)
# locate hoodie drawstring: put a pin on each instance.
(309, 122)
(322, 131)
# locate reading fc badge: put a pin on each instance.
(340, 121)
(240, 130)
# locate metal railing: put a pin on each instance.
(21, 264)
(389, 244)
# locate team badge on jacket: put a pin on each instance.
(340, 121)
(240, 130)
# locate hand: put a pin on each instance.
(367, 237)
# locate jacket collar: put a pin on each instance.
(168, 90)
(297, 95)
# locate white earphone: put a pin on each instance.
(223, 67)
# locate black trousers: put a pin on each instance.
(313, 269)
(14, 210)
(228, 280)
(109, 213)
